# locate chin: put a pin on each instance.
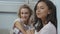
(24, 19)
(39, 16)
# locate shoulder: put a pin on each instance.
(18, 20)
(49, 26)
(48, 29)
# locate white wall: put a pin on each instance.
(6, 22)
(58, 14)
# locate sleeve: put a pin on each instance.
(15, 30)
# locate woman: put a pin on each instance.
(45, 17)
(21, 24)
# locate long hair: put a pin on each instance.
(24, 6)
(50, 17)
(29, 9)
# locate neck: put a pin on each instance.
(44, 21)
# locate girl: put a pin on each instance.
(21, 24)
(45, 17)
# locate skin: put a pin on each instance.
(42, 12)
(25, 14)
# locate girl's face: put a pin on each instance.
(42, 10)
(25, 14)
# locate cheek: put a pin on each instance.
(37, 12)
(21, 15)
(27, 15)
(45, 12)
(42, 13)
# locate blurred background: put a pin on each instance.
(9, 9)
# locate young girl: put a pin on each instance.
(45, 17)
(21, 25)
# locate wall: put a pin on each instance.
(58, 14)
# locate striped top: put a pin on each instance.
(16, 30)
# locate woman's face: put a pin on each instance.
(25, 14)
(42, 10)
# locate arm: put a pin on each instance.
(32, 32)
(19, 26)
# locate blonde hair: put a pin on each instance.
(24, 6)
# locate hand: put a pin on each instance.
(32, 31)
(28, 32)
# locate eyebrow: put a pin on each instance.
(40, 6)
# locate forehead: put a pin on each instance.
(24, 10)
(42, 4)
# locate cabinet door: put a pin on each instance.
(14, 0)
(10, 5)
(32, 3)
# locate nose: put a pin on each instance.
(24, 14)
(38, 11)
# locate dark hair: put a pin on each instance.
(50, 17)
(25, 6)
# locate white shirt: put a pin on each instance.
(47, 29)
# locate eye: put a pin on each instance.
(42, 7)
(26, 12)
(21, 12)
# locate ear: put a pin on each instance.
(49, 11)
